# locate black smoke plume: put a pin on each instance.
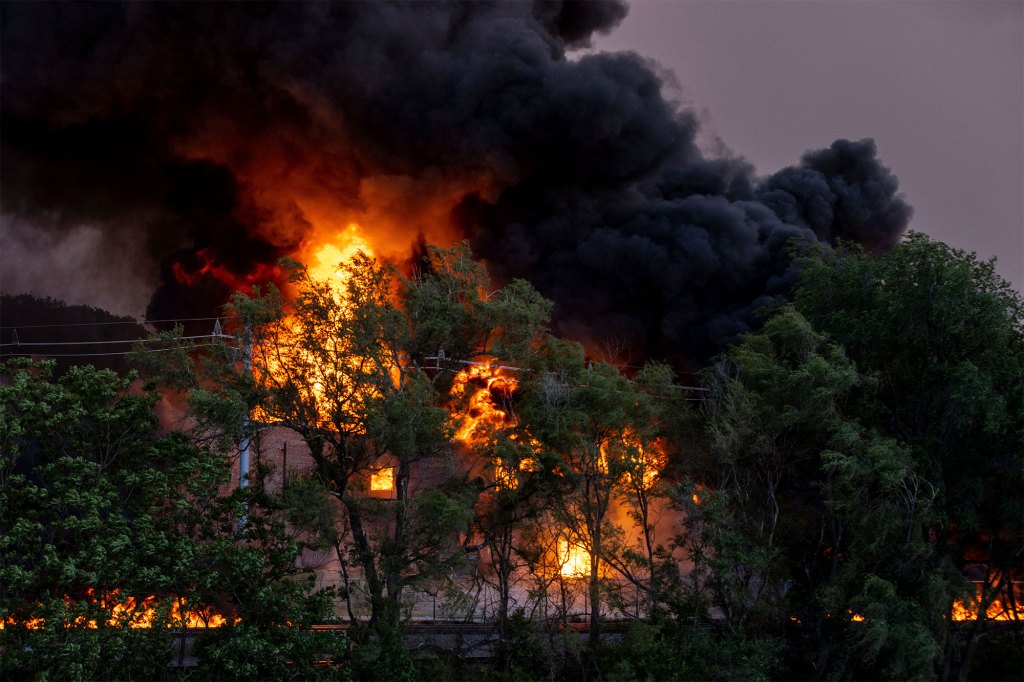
(207, 135)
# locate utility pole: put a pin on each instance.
(243, 446)
(284, 465)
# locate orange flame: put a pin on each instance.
(998, 609)
(261, 272)
(134, 613)
(490, 390)
(639, 464)
(383, 480)
(574, 561)
(489, 408)
(325, 258)
(271, 360)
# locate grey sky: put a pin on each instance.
(939, 85)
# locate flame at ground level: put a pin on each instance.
(131, 612)
(997, 610)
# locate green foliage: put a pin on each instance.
(528, 659)
(860, 445)
(77, 519)
(670, 650)
(1000, 656)
(597, 434)
(942, 336)
(814, 516)
(344, 364)
(99, 511)
(263, 645)
(858, 448)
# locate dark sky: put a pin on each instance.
(938, 85)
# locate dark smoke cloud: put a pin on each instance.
(206, 131)
(677, 266)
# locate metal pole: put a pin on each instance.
(243, 446)
(284, 465)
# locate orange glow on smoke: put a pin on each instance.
(260, 273)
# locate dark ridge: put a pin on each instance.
(25, 319)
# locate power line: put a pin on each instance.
(97, 324)
(126, 352)
(437, 359)
(92, 355)
(104, 343)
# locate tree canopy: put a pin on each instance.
(844, 485)
(107, 524)
(865, 457)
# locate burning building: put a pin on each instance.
(172, 153)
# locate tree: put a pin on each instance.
(518, 499)
(76, 456)
(814, 517)
(943, 336)
(658, 412)
(361, 369)
(596, 431)
(577, 415)
(105, 522)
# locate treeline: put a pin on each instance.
(845, 471)
(70, 334)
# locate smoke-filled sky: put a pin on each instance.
(938, 84)
(159, 155)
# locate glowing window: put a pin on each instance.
(383, 480)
